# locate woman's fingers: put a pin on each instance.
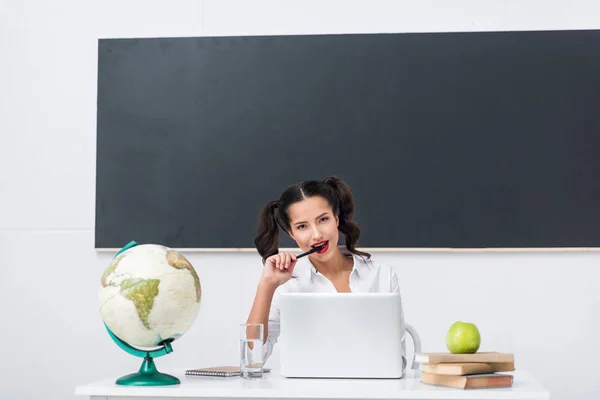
(286, 261)
(283, 261)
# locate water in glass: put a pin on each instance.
(251, 358)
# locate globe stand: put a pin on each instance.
(148, 375)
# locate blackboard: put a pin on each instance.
(466, 140)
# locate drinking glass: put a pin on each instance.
(251, 350)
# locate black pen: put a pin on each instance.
(314, 249)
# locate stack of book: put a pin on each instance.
(467, 371)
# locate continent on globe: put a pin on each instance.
(178, 261)
(111, 268)
(142, 292)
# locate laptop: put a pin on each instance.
(341, 335)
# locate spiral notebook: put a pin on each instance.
(223, 371)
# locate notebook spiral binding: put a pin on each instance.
(211, 373)
(219, 371)
(224, 371)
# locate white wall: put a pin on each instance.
(543, 305)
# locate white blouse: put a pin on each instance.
(366, 277)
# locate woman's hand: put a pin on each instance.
(278, 269)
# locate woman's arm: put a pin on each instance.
(278, 270)
(395, 288)
(261, 308)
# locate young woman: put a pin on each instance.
(313, 213)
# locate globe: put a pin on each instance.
(149, 296)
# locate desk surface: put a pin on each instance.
(274, 386)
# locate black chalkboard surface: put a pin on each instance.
(449, 140)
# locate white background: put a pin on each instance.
(540, 305)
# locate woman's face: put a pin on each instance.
(312, 223)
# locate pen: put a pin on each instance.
(317, 248)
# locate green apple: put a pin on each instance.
(463, 338)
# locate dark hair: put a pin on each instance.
(274, 214)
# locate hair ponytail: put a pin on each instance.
(345, 209)
(267, 235)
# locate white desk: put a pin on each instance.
(274, 386)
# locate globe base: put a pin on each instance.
(148, 375)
